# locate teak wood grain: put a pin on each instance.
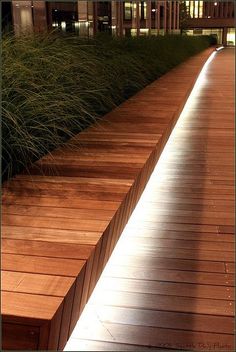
(61, 222)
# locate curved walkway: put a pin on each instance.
(169, 281)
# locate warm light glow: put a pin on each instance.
(200, 14)
(63, 25)
(231, 36)
(191, 9)
(128, 11)
(25, 20)
(196, 10)
(215, 4)
(89, 320)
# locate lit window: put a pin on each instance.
(191, 8)
(134, 9)
(143, 10)
(128, 11)
(196, 9)
(200, 14)
(187, 7)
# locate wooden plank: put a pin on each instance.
(91, 345)
(28, 307)
(192, 220)
(54, 223)
(60, 202)
(81, 195)
(57, 212)
(82, 237)
(153, 212)
(46, 249)
(140, 272)
(97, 266)
(158, 225)
(66, 317)
(41, 265)
(119, 186)
(180, 253)
(55, 325)
(157, 318)
(100, 171)
(167, 288)
(189, 201)
(179, 235)
(158, 337)
(36, 283)
(150, 262)
(77, 302)
(86, 280)
(166, 303)
(73, 181)
(186, 243)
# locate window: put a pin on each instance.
(128, 10)
(143, 10)
(200, 12)
(192, 3)
(161, 11)
(63, 16)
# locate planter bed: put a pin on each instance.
(61, 222)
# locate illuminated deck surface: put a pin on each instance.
(169, 282)
(61, 223)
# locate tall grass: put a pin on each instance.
(54, 87)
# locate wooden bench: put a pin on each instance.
(61, 222)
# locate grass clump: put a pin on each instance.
(55, 86)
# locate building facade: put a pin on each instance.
(130, 18)
(207, 17)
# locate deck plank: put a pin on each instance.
(61, 222)
(42, 265)
(159, 337)
(170, 281)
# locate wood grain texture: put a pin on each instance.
(170, 281)
(61, 223)
(41, 265)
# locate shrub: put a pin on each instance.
(55, 86)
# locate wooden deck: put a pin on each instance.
(60, 225)
(169, 282)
